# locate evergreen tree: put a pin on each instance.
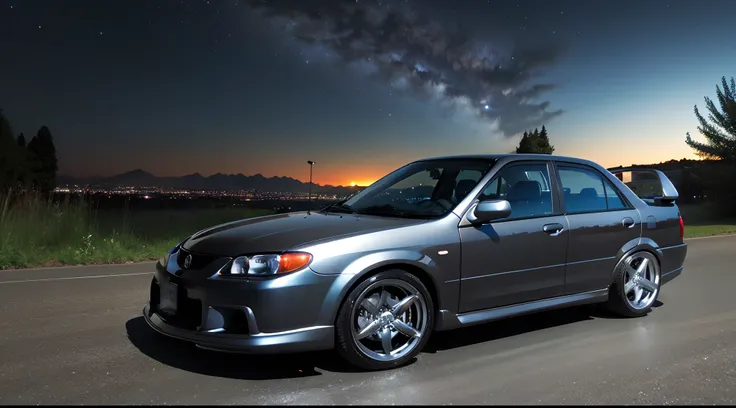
(42, 157)
(721, 134)
(525, 145)
(22, 141)
(543, 145)
(12, 165)
(535, 142)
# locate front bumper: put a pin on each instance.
(305, 339)
(292, 313)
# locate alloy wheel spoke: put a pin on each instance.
(370, 307)
(386, 340)
(369, 329)
(647, 285)
(401, 307)
(630, 270)
(405, 329)
(638, 292)
(641, 270)
(629, 286)
(384, 299)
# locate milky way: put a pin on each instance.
(391, 42)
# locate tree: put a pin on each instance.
(525, 145)
(535, 142)
(42, 158)
(543, 145)
(22, 141)
(12, 164)
(720, 135)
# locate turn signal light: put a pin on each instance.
(291, 262)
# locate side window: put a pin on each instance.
(586, 190)
(525, 187)
(613, 197)
(465, 181)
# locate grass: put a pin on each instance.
(36, 232)
(702, 220)
(695, 231)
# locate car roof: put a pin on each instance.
(514, 157)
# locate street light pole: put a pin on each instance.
(311, 164)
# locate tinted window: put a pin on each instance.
(613, 197)
(525, 186)
(423, 189)
(418, 186)
(586, 190)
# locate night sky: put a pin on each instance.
(361, 87)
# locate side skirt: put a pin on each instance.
(447, 320)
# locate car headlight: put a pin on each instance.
(268, 265)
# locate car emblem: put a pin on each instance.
(188, 261)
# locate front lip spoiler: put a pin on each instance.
(313, 338)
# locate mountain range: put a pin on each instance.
(196, 181)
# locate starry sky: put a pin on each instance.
(359, 86)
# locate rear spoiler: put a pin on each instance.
(649, 184)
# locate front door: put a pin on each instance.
(520, 258)
(601, 221)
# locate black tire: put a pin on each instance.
(617, 300)
(345, 344)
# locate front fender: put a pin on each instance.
(364, 266)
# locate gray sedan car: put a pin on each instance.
(438, 244)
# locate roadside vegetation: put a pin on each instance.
(702, 220)
(39, 232)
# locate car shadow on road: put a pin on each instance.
(185, 356)
(515, 326)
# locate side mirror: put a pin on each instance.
(489, 210)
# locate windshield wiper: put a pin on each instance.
(339, 207)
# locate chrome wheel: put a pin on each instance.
(389, 319)
(641, 280)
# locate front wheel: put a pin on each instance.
(385, 321)
(635, 285)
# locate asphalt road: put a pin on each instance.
(75, 336)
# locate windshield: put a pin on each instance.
(423, 189)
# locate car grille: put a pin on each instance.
(199, 261)
(189, 311)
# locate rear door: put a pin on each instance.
(601, 222)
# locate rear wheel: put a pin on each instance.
(635, 285)
(385, 321)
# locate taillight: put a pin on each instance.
(682, 228)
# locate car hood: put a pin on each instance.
(281, 232)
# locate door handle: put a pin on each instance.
(628, 222)
(553, 229)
